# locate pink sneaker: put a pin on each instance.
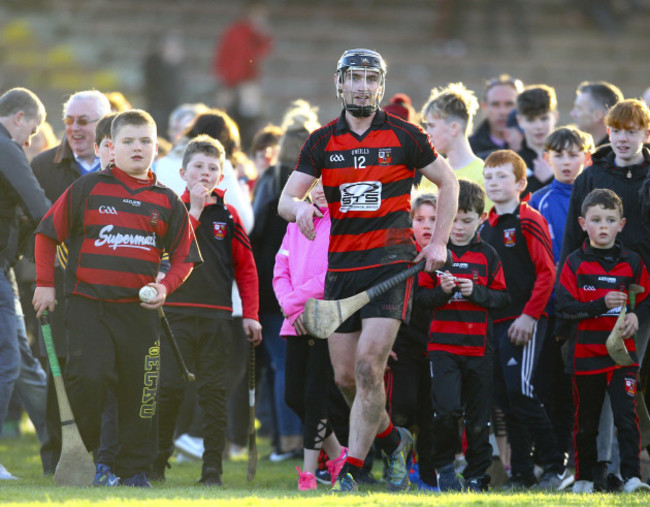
(306, 480)
(334, 465)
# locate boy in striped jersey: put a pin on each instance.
(459, 347)
(520, 236)
(117, 222)
(593, 288)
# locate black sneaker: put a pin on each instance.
(210, 477)
(138, 480)
(157, 473)
(323, 476)
(614, 484)
(478, 484)
(600, 476)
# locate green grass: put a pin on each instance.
(275, 484)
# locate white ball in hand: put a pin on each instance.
(147, 293)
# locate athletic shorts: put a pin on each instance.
(393, 304)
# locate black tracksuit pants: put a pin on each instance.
(462, 385)
(408, 400)
(589, 394)
(527, 421)
(206, 347)
(114, 344)
(308, 378)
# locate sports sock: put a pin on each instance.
(353, 467)
(389, 439)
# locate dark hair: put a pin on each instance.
(563, 138)
(536, 100)
(427, 198)
(471, 196)
(206, 145)
(602, 93)
(604, 197)
(218, 125)
(135, 117)
(103, 128)
(21, 99)
(502, 157)
(265, 137)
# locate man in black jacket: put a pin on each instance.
(499, 99)
(21, 115)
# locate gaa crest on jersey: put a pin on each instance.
(509, 237)
(384, 156)
(360, 196)
(630, 387)
(154, 218)
(219, 229)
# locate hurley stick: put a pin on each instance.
(252, 440)
(187, 375)
(75, 467)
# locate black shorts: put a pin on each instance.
(393, 304)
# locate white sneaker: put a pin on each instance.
(190, 446)
(583, 487)
(5, 475)
(635, 484)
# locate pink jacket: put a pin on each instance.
(300, 269)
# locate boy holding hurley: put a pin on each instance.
(593, 291)
(200, 310)
(117, 222)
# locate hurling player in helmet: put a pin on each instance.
(367, 160)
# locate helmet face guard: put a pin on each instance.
(360, 62)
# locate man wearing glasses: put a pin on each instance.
(55, 170)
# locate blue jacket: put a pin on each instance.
(552, 202)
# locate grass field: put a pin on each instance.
(275, 484)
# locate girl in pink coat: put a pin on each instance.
(299, 274)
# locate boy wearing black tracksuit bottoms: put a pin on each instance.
(521, 237)
(200, 310)
(593, 291)
(459, 346)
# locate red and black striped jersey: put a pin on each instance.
(523, 243)
(587, 276)
(116, 229)
(463, 325)
(227, 256)
(367, 181)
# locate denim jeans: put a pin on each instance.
(31, 384)
(9, 349)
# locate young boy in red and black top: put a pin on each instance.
(521, 237)
(200, 310)
(459, 346)
(117, 223)
(593, 290)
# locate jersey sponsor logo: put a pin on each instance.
(360, 196)
(384, 156)
(608, 279)
(509, 237)
(120, 240)
(630, 387)
(132, 202)
(107, 210)
(590, 288)
(219, 229)
(337, 157)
